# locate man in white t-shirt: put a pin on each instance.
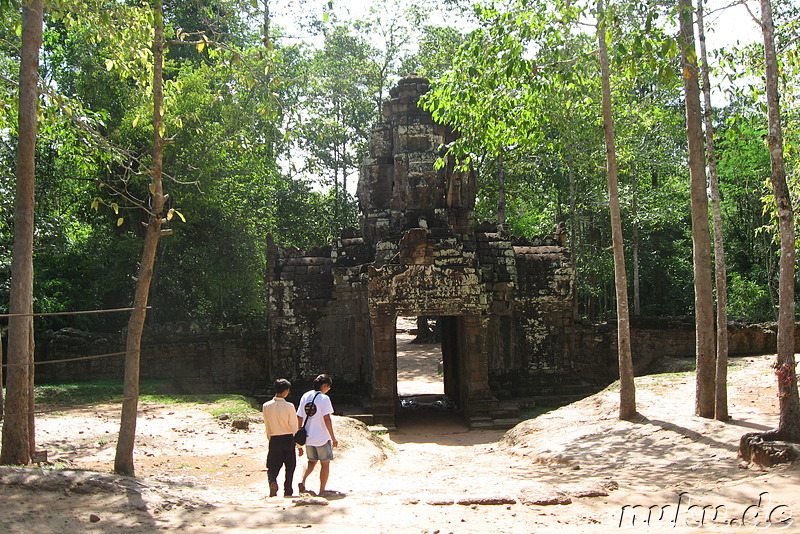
(315, 410)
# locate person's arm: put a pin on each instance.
(298, 422)
(329, 426)
(300, 413)
(266, 421)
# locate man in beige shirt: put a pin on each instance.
(281, 424)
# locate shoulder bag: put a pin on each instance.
(310, 408)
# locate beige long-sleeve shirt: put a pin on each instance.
(279, 417)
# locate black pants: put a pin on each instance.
(281, 453)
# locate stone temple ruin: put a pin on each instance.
(504, 303)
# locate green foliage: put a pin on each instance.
(748, 300)
(750, 236)
(266, 135)
(344, 77)
(438, 47)
(744, 158)
(227, 111)
(525, 85)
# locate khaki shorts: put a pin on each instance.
(323, 453)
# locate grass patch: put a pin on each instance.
(237, 406)
(100, 391)
(78, 393)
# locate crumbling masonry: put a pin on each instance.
(504, 303)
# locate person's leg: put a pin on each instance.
(324, 455)
(274, 463)
(324, 471)
(309, 468)
(290, 461)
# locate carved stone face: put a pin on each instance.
(416, 248)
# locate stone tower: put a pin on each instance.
(399, 187)
(504, 304)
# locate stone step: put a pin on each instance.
(481, 423)
(491, 423)
(507, 409)
(381, 429)
(384, 419)
(507, 422)
(554, 400)
(565, 389)
(366, 418)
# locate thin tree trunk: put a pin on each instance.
(501, 192)
(637, 301)
(266, 38)
(31, 397)
(18, 434)
(424, 332)
(123, 461)
(789, 425)
(335, 221)
(627, 391)
(720, 269)
(2, 400)
(701, 239)
(573, 244)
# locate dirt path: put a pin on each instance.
(198, 475)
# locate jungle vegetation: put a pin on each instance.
(267, 110)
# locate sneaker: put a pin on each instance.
(273, 489)
(288, 495)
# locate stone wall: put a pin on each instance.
(653, 337)
(319, 320)
(235, 361)
(188, 361)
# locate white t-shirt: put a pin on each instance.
(316, 431)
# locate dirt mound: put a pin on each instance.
(66, 481)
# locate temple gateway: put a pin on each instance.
(504, 303)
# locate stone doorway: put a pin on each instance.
(463, 365)
(419, 364)
(420, 374)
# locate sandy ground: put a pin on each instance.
(196, 474)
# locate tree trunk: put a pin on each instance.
(123, 461)
(265, 26)
(720, 269)
(627, 391)
(2, 409)
(18, 435)
(701, 240)
(572, 242)
(789, 425)
(501, 192)
(637, 300)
